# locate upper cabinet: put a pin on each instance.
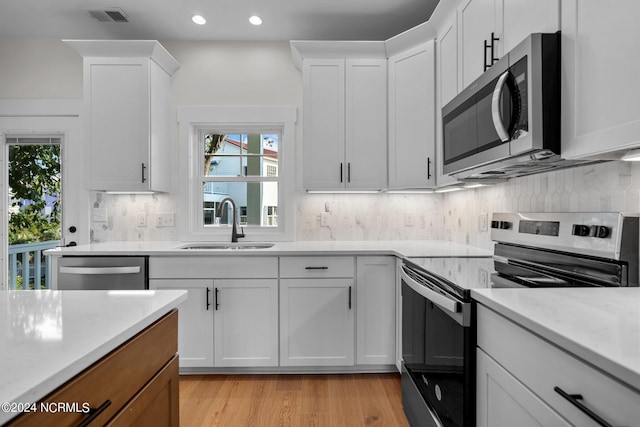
(600, 68)
(344, 115)
(412, 118)
(127, 91)
(491, 28)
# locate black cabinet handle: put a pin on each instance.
(428, 167)
(94, 413)
(486, 47)
(208, 292)
(494, 39)
(349, 172)
(341, 168)
(217, 299)
(143, 169)
(316, 268)
(575, 399)
(349, 297)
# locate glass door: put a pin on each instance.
(34, 206)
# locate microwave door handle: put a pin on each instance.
(503, 134)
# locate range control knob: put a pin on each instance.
(598, 231)
(501, 225)
(581, 230)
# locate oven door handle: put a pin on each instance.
(436, 298)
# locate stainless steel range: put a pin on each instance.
(531, 250)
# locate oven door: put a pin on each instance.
(438, 348)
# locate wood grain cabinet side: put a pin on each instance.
(137, 381)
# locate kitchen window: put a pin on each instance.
(245, 153)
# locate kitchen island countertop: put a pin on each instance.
(48, 337)
(598, 325)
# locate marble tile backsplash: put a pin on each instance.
(611, 186)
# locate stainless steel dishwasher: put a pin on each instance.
(102, 273)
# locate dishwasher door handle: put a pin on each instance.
(101, 270)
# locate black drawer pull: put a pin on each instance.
(349, 297)
(217, 298)
(316, 268)
(94, 413)
(208, 292)
(575, 399)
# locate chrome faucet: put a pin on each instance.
(234, 209)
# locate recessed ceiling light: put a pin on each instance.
(255, 20)
(199, 19)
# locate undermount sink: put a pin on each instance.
(233, 246)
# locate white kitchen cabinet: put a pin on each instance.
(502, 400)
(412, 118)
(127, 91)
(375, 310)
(447, 85)
(509, 21)
(345, 124)
(600, 67)
(245, 322)
(195, 320)
(530, 376)
(231, 315)
(316, 322)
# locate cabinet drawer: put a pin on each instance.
(209, 267)
(542, 367)
(116, 378)
(316, 266)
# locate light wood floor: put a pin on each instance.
(291, 400)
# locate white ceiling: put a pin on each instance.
(226, 19)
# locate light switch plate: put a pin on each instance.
(99, 215)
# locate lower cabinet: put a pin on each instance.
(524, 380)
(136, 384)
(245, 322)
(502, 400)
(195, 325)
(316, 322)
(306, 311)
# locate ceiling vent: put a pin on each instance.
(114, 14)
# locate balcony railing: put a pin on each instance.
(28, 267)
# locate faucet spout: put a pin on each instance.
(234, 213)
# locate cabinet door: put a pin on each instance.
(246, 322)
(448, 87)
(502, 400)
(412, 118)
(118, 123)
(600, 67)
(195, 322)
(324, 124)
(316, 322)
(477, 22)
(366, 124)
(376, 314)
(522, 18)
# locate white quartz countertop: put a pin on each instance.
(598, 325)
(408, 248)
(48, 337)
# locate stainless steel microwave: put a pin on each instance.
(507, 122)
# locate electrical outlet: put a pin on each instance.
(165, 220)
(409, 219)
(483, 220)
(141, 219)
(324, 219)
(99, 215)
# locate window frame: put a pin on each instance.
(191, 121)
